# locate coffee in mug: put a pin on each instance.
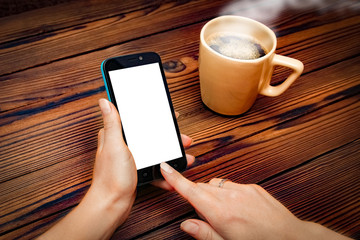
(236, 62)
(236, 46)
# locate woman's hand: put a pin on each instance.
(190, 160)
(108, 202)
(115, 174)
(239, 211)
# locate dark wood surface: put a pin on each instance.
(303, 146)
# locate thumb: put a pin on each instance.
(100, 140)
(200, 230)
(111, 119)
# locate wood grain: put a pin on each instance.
(245, 169)
(300, 189)
(110, 31)
(61, 82)
(9, 7)
(104, 32)
(67, 90)
(301, 146)
(47, 19)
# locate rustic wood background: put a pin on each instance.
(303, 146)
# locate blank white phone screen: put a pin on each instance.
(145, 114)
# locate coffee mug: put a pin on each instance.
(236, 62)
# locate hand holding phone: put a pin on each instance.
(137, 86)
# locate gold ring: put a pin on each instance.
(222, 182)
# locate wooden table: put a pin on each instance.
(303, 146)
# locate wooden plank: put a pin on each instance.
(250, 159)
(67, 175)
(210, 119)
(35, 228)
(304, 97)
(249, 165)
(63, 134)
(172, 230)
(63, 88)
(317, 191)
(104, 32)
(44, 19)
(48, 19)
(45, 48)
(12, 133)
(65, 104)
(10, 7)
(15, 93)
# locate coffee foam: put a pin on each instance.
(235, 46)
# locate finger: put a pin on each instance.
(189, 190)
(190, 159)
(199, 230)
(186, 140)
(112, 124)
(162, 184)
(100, 140)
(200, 215)
(177, 114)
(177, 181)
(166, 186)
(228, 184)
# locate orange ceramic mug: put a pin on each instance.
(229, 85)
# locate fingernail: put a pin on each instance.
(190, 227)
(166, 167)
(191, 158)
(190, 141)
(104, 106)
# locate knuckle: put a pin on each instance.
(226, 216)
(186, 188)
(191, 191)
(213, 181)
(108, 124)
(235, 195)
(201, 185)
(209, 235)
(257, 187)
(254, 188)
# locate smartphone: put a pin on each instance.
(137, 86)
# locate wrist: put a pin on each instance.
(113, 206)
(312, 230)
(103, 213)
(96, 217)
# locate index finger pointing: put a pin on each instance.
(186, 188)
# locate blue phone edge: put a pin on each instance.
(104, 79)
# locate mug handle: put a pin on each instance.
(280, 60)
